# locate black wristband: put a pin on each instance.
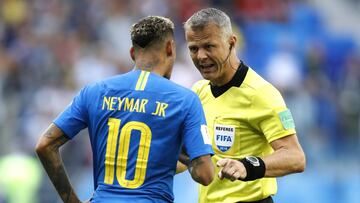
(255, 168)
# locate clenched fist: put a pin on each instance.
(231, 169)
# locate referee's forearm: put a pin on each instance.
(288, 157)
(283, 162)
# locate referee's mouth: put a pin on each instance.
(206, 66)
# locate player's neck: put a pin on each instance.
(147, 63)
(152, 65)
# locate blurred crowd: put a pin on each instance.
(49, 49)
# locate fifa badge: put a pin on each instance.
(224, 136)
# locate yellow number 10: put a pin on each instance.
(123, 151)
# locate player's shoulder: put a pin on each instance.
(162, 85)
(97, 87)
(186, 92)
(120, 79)
(101, 83)
(114, 82)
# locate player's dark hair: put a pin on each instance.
(205, 16)
(150, 30)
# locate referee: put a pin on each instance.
(251, 129)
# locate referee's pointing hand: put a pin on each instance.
(231, 169)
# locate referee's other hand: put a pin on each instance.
(231, 169)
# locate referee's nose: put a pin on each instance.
(201, 54)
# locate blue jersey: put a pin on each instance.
(137, 123)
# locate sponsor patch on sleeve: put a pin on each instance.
(205, 134)
(286, 119)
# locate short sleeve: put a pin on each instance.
(270, 114)
(75, 117)
(195, 134)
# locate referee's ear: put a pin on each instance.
(132, 53)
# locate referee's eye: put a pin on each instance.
(193, 50)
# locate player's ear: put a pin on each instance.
(132, 53)
(170, 48)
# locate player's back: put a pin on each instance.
(136, 126)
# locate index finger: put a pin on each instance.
(222, 162)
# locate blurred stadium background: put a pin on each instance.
(309, 49)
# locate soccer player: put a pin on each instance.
(252, 131)
(137, 122)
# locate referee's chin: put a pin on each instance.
(208, 76)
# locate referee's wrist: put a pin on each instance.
(255, 168)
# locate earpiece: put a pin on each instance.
(231, 46)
